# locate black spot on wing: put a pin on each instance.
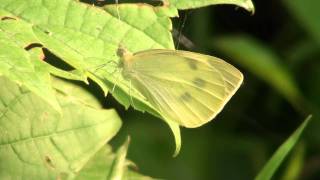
(193, 64)
(186, 96)
(199, 82)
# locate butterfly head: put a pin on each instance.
(123, 53)
(125, 61)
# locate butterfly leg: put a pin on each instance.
(130, 89)
(116, 82)
(114, 87)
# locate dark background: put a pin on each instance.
(258, 118)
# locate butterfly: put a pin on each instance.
(185, 87)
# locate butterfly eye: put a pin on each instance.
(121, 52)
(124, 53)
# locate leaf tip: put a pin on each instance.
(249, 6)
(175, 128)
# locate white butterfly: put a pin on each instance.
(184, 87)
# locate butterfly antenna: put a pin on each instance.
(101, 66)
(181, 27)
(118, 13)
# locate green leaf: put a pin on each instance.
(22, 63)
(263, 62)
(188, 4)
(110, 166)
(307, 13)
(75, 92)
(295, 164)
(119, 165)
(275, 161)
(18, 64)
(37, 142)
(87, 37)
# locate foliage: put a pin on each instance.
(54, 125)
(272, 165)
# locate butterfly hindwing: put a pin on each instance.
(185, 87)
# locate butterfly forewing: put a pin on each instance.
(185, 87)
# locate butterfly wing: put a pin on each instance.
(185, 87)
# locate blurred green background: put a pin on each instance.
(277, 49)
